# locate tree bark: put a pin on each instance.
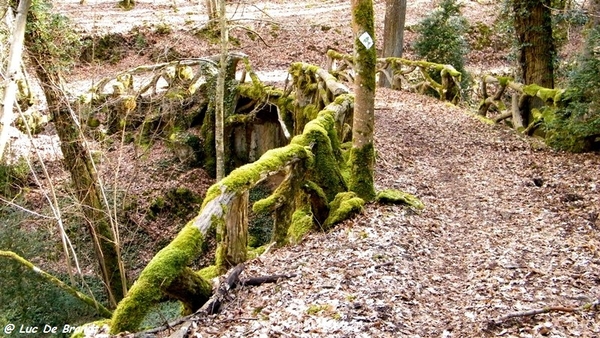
(362, 154)
(220, 104)
(12, 72)
(393, 35)
(234, 233)
(533, 26)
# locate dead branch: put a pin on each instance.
(213, 305)
(592, 306)
(504, 116)
(255, 281)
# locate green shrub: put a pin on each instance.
(441, 37)
(575, 126)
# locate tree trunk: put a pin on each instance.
(12, 72)
(211, 9)
(362, 154)
(77, 161)
(533, 26)
(595, 12)
(220, 104)
(234, 234)
(234, 231)
(393, 35)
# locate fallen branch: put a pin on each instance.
(593, 306)
(265, 279)
(503, 116)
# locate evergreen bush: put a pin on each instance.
(575, 126)
(442, 37)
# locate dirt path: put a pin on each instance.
(490, 241)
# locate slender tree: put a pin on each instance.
(362, 154)
(50, 43)
(211, 9)
(220, 93)
(233, 233)
(393, 34)
(14, 63)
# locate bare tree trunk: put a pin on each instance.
(12, 73)
(362, 154)
(393, 35)
(220, 104)
(78, 162)
(533, 26)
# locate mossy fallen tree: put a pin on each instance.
(405, 74)
(310, 157)
(313, 193)
(495, 90)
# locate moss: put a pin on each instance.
(312, 188)
(325, 170)
(392, 196)
(344, 206)
(361, 164)
(158, 275)
(302, 223)
(209, 272)
(253, 253)
(80, 332)
(483, 119)
(221, 257)
(267, 204)
(504, 80)
(247, 175)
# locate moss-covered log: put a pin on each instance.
(315, 174)
(171, 261)
(550, 98)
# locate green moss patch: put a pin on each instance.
(343, 206)
(392, 196)
(302, 223)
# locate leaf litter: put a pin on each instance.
(490, 242)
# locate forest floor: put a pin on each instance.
(509, 224)
(490, 242)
